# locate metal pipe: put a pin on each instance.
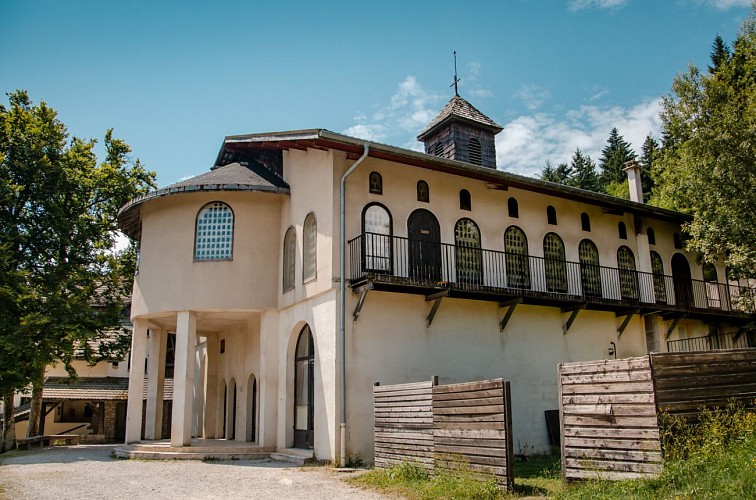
(342, 300)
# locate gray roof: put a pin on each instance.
(95, 388)
(459, 108)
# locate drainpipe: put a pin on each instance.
(342, 299)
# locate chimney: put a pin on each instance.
(634, 180)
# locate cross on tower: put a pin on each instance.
(456, 80)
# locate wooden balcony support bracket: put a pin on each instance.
(738, 334)
(573, 310)
(436, 298)
(628, 316)
(672, 326)
(363, 290)
(510, 305)
(713, 329)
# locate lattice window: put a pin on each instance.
(289, 254)
(423, 193)
(555, 262)
(476, 154)
(214, 233)
(465, 203)
(590, 270)
(376, 183)
(516, 258)
(376, 223)
(468, 252)
(627, 275)
(309, 247)
(551, 217)
(657, 269)
(513, 209)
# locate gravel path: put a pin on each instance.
(89, 472)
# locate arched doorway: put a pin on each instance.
(469, 257)
(304, 389)
(681, 280)
(231, 424)
(424, 246)
(252, 408)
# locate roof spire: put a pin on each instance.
(456, 80)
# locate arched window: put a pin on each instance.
(214, 232)
(651, 236)
(516, 258)
(439, 149)
(660, 286)
(423, 193)
(309, 248)
(289, 254)
(512, 208)
(590, 270)
(585, 221)
(467, 252)
(712, 286)
(677, 241)
(551, 215)
(555, 263)
(304, 390)
(464, 200)
(376, 183)
(377, 231)
(710, 272)
(622, 230)
(476, 156)
(627, 276)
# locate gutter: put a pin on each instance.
(342, 301)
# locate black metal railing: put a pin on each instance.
(711, 343)
(399, 260)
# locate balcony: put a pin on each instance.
(739, 340)
(397, 264)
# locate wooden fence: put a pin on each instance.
(609, 409)
(459, 425)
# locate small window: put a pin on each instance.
(710, 273)
(309, 247)
(289, 253)
(651, 236)
(464, 200)
(678, 241)
(376, 183)
(585, 221)
(222, 346)
(622, 230)
(551, 215)
(214, 232)
(439, 149)
(476, 156)
(422, 192)
(513, 208)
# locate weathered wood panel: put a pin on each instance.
(608, 419)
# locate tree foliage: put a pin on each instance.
(584, 173)
(707, 167)
(613, 158)
(560, 174)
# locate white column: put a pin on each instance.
(211, 388)
(183, 379)
(136, 382)
(153, 425)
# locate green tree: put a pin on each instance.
(63, 285)
(720, 53)
(649, 151)
(708, 167)
(559, 174)
(584, 173)
(613, 157)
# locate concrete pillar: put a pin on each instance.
(136, 381)
(153, 425)
(211, 388)
(183, 379)
(199, 389)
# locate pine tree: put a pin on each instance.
(584, 173)
(613, 157)
(649, 151)
(720, 53)
(559, 174)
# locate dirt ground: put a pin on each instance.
(90, 472)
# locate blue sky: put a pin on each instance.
(174, 77)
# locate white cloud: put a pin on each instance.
(726, 4)
(532, 96)
(575, 5)
(529, 140)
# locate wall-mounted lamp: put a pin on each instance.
(613, 349)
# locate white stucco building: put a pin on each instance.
(452, 268)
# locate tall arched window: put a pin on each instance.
(590, 270)
(555, 263)
(657, 270)
(585, 222)
(551, 217)
(289, 254)
(476, 156)
(513, 208)
(465, 203)
(214, 232)
(622, 230)
(516, 258)
(467, 252)
(309, 247)
(711, 285)
(377, 232)
(423, 193)
(627, 275)
(651, 236)
(304, 390)
(376, 183)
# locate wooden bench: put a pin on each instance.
(47, 440)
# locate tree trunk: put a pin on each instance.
(36, 404)
(9, 426)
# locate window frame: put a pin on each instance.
(513, 208)
(306, 250)
(379, 184)
(419, 193)
(230, 256)
(365, 256)
(465, 200)
(551, 216)
(289, 261)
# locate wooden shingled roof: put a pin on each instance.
(459, 108)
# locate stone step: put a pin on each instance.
(190, 455)
(293, 456)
